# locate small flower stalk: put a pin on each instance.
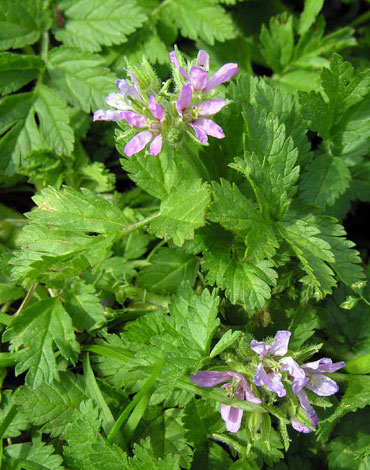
(275, 375)
(143, 104)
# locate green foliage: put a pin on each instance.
(158, 267)
(91, 24)
(52, 406)
(182, 212)
(34, 352)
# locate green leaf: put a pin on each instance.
(182, 212)
(93, 225)
(17, 119)
(19, 423)
(313, 252)
(269, 162)
(311, 9)
(200, 420)
(18, 70)
(86, 448)
(84, 307)
(168, 269)
(52, 406)
(81, 76)
(35, 352)
(277, 42)
(91, 24)
(237, 213)
(167, 436)
(324, 180)
(347, 261)
(20, 23)
(244, 282)
(226, 340)
(200, 19)
(343, 89)
(54, 121)
(144, 457)
(157, 176)
(35, 455)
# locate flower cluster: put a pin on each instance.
(273, 369)
(191, 107)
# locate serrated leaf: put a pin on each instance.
(168, 269)
(226, 340)
(86, 448)
(81, 76)
(91, 24)
(144, 457)
(48, 248)
(201, 19)
(35, 352)
(54, 121)
(324, 180)
(277, 42)
(240, 215)
(20, 23)
(52, 406)
(347, 261)
(35, 455)
(269, 162)
(244, 282)
(313, 252)
(19, 423)
(17, 117)
(182, 212)
(17, 70)
(200, 420)
(311, 10)
(157, 176)
(84, 307)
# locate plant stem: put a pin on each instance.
(26, 300)
(230, 442)
(141, 223)
(144, 390)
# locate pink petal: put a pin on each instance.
(173, 59)
(185, 98)
(324, 364)
(226, 72)
(209, 378)
(199, 133)
(156, 145)
(198, 78)
(232, 417)
(210, 127)
(271, 380)
(155, 109)
(203, 59)
(207, 108)
(117, 101)
(280, 344)
(126, 89)
(289, 364)
(107, 115)
(322, 385)
(134, 81)
(298, 426)
(261, 348)
(305, 404)
(138, 142)
(134, 119)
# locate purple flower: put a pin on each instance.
(238, 387)
(271, 378)
(317, 383)
(198, 75)
(195, 115)
(153, 126)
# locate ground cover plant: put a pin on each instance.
(183, 257)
